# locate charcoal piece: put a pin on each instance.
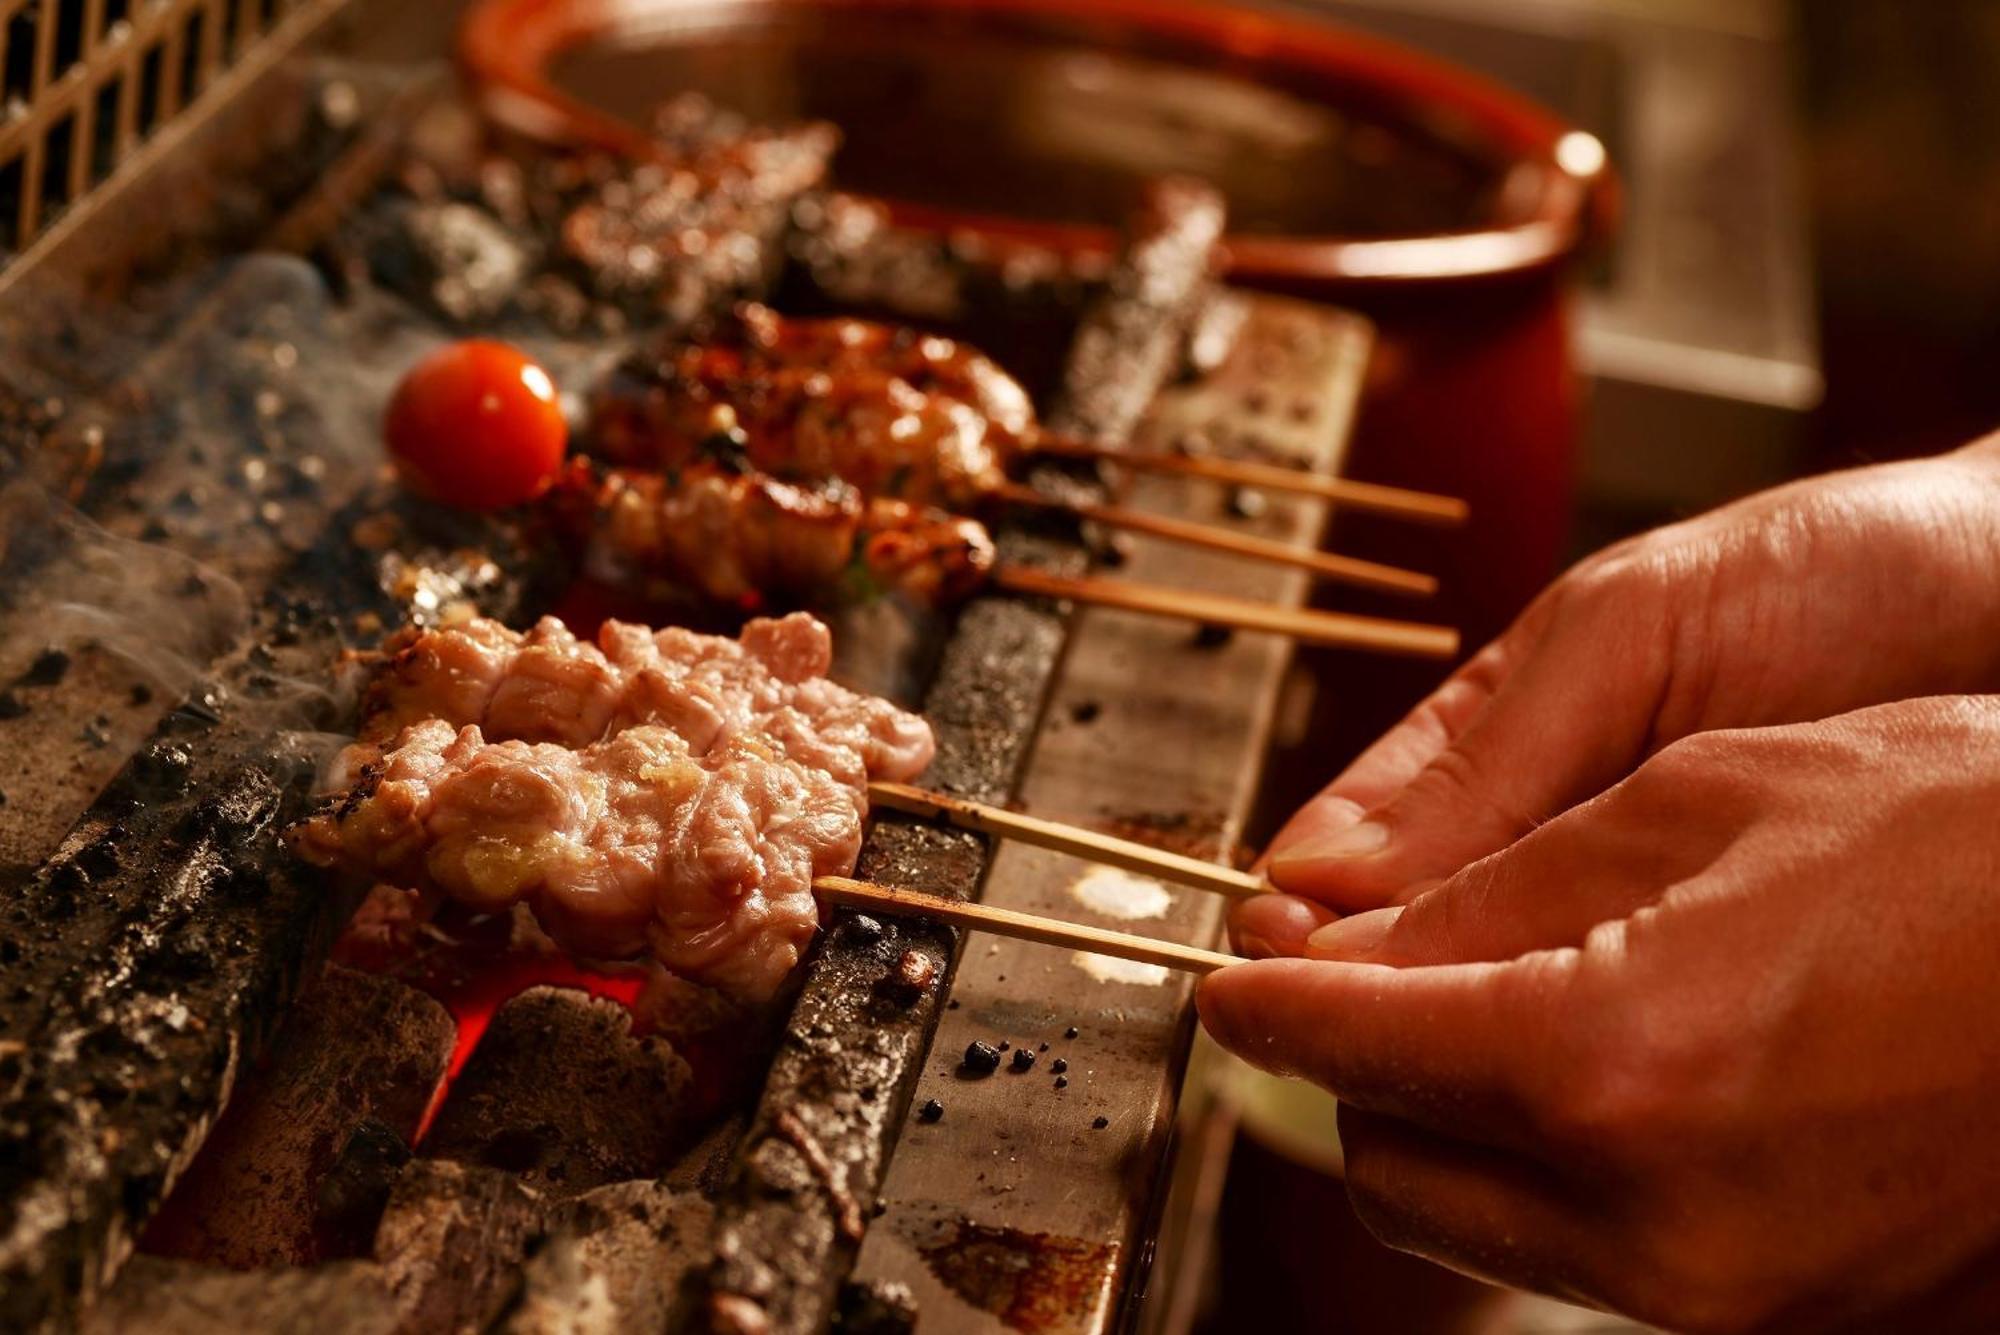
(615, 1259)
(704, 1168)
(156, 1296)
(876, 1308)
(355, 1047)
(562, 1092)
(1018, 302)
(680, 232)
(356, 1189)
(451, 1244)
(133, 999)
(1131, 340)
(455, 258)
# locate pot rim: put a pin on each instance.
(1559, 194)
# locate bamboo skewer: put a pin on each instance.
(1422, 506)
(1109, 850)
(1326, 565)
(1340, 630)
(869, 897)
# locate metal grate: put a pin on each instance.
(84, 83)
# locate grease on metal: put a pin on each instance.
(1033, 1282)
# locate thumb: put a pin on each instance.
(1573, 715)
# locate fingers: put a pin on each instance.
(1571, 712)
(1271, 925)
(1483, 1212)
(1398, 756)
(1596, 863)
(1464, 1049)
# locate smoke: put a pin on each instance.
(73, 587)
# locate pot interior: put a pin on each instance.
(1051, 118)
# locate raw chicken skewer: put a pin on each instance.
(686, 795)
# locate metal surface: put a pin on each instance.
(1013, 1209)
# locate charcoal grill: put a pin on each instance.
(204, 1121)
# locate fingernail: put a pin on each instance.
(1356, 841)
(1353, 938)
(1254, 947)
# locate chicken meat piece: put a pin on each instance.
(741, 539)
(892, 413)
(546, 685)
(637, 844)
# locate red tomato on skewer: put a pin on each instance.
(476, 425)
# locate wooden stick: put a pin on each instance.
(872, 898)
(1340, 569)
(1340, 630)
(1103, 848)
(1370, 496)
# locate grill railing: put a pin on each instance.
(84, 84)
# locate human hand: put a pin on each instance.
(1717, 1048)
(1828, 595)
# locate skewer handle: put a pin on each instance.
(873, 898)
(1325, 565)
(1340, 630)
(1108, 850)
(1401, 502)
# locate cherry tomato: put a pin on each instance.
(476, 425)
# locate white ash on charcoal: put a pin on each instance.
(459, 1249)
(355, 1050)
(452, 1241)
(469, 1248)
(561, 1092)
(588, 242)
(616, 1259)
(155, 1296)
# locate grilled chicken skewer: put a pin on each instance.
(893, 413)
(760, 344)
(739, 538)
